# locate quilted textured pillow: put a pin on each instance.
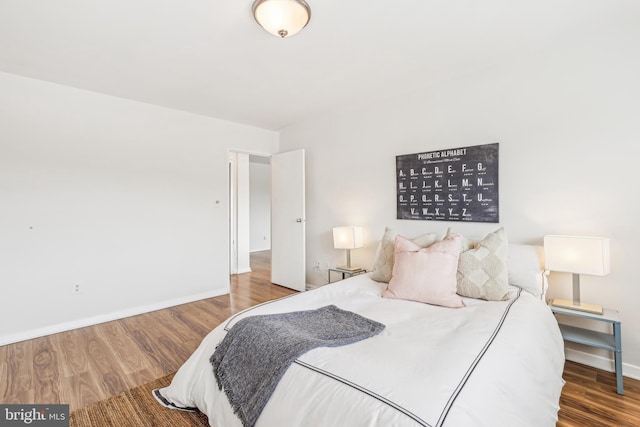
(426, 274)
(383, 264)
(482, 270)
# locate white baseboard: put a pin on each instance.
(102, 318)
(600, 362)
(243, 270)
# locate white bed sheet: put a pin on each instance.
(488, 364)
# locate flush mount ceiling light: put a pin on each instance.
(282, 18)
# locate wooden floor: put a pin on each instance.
(87, 365)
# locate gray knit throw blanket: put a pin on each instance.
(258, 350)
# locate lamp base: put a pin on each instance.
(588, 308)
(348, 268)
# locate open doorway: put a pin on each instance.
(286, 215)
(259, 204)
(249, 210)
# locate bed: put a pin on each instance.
(491, 363)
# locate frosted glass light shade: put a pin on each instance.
(580, 255)
(347, 237)
(282, 18)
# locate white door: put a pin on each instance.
(287, 220)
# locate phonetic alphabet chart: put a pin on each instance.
(459, 184)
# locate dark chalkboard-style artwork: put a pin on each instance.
(459, 184)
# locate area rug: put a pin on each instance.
(135, 408)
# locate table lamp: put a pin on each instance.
(348, 238)
(577, 255)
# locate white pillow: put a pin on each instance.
(526, 268)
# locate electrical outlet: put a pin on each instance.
(75, 289)
(316, 264)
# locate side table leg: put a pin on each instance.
(618, 356)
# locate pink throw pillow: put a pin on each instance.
(426, 274)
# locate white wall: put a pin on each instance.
(567, 123)
(260, 189)
(125, 199)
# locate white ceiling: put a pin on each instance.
(210, 57)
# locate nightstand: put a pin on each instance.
(345, 273)
(611, 342)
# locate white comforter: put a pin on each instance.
(487, 364)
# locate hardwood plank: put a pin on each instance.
(122, 346)
(186, 327)
(102, 359)
(4, 373)
(72, 345)
(83, 389)
(46, 372)
(148, 344)
(20, 385)
(141, 377)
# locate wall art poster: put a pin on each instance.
(459, 184)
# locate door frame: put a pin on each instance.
(236, 248)
(232, 216)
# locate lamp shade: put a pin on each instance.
(579, 255)
(349, 237)
(282, 18)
